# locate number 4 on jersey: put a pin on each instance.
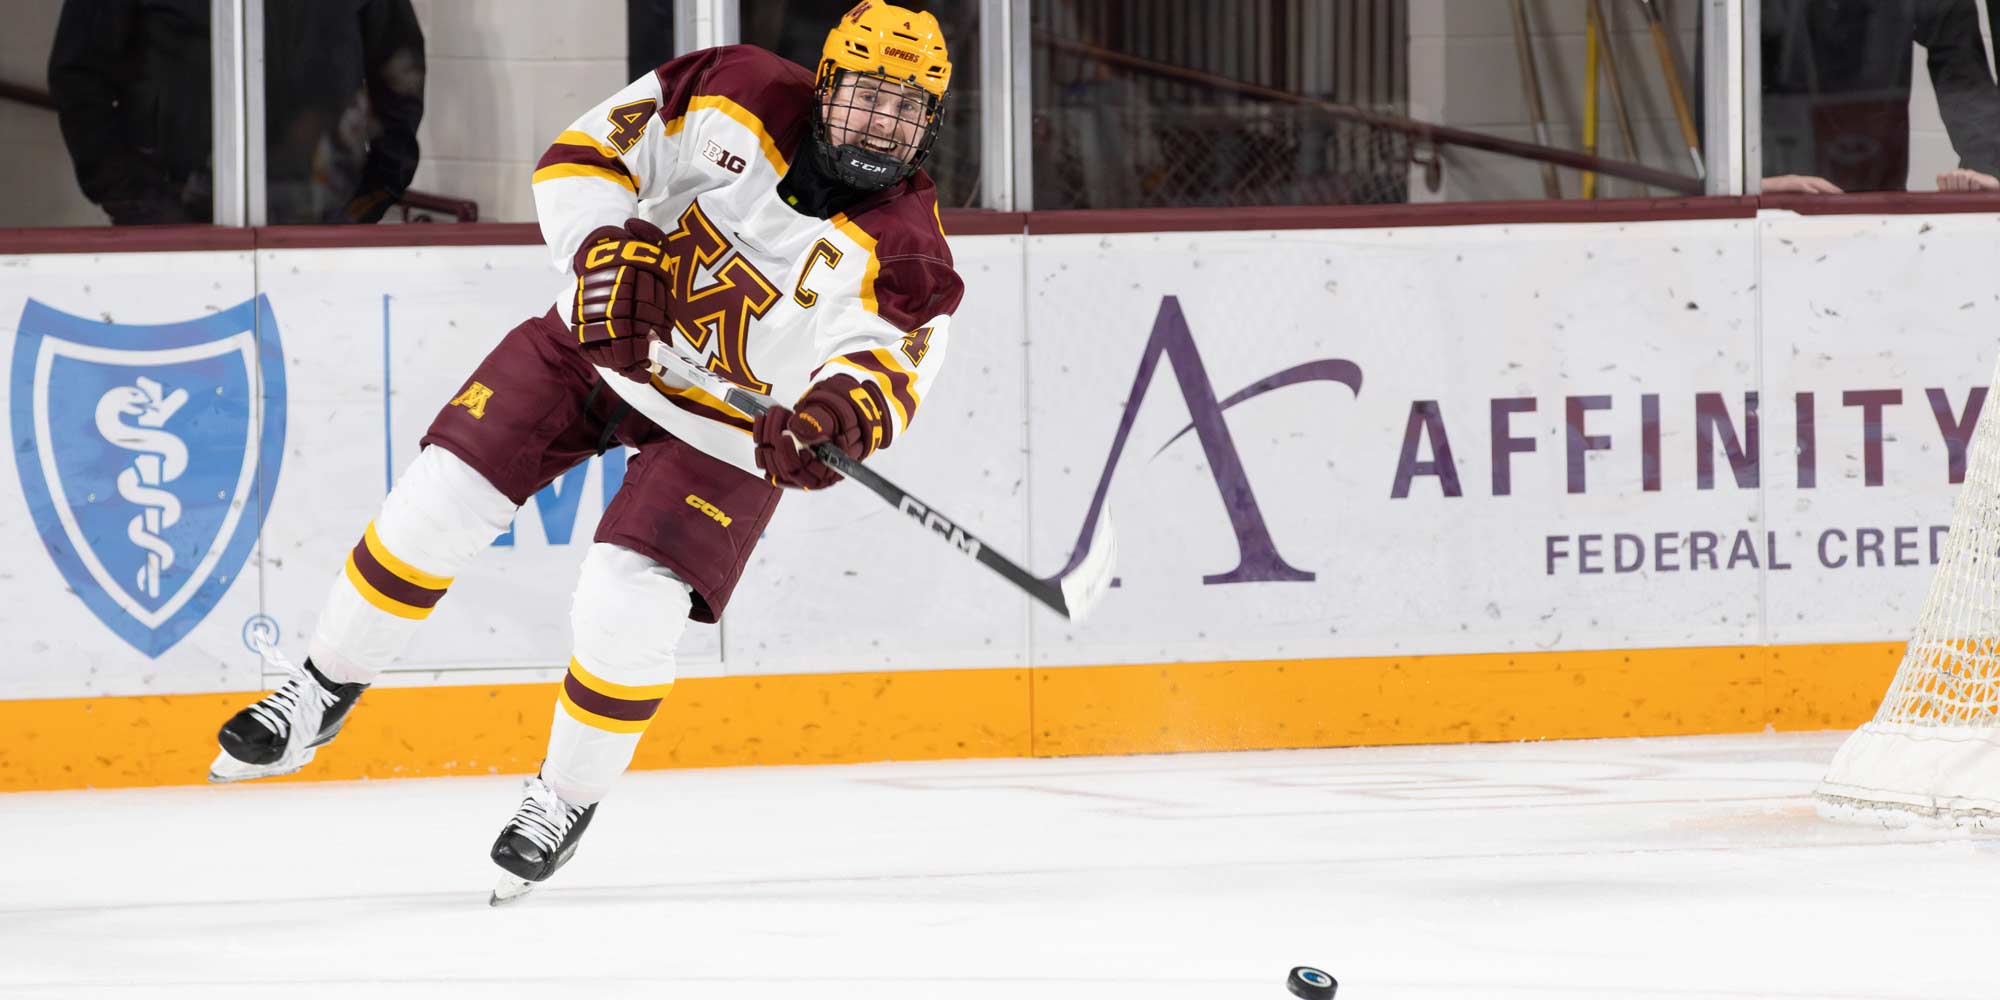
(629, 121)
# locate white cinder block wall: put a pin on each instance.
(507, 76)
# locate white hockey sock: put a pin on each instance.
(628, 614)
(439, 516)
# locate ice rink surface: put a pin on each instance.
(1671, 868)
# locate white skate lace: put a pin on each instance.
(298, 704)
(544, 818)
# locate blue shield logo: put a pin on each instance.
(148, 455)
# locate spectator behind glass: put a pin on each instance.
(1837, 93)
(342, 106)
(343, 96)
(130, 82)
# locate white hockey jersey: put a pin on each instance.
(771, 298)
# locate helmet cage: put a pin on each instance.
(859, 162)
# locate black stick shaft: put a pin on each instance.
(946, 529)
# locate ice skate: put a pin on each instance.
(280, 733)
(537, 841)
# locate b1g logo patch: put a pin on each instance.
(148, 454)
(714, 153)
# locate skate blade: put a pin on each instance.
(509, 889)
(228, 770)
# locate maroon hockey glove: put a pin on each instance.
(621, 296)
(841, 410)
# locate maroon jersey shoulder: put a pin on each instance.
(776, 90)
(917, 280)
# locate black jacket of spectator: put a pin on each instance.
(130, 82)
(342, 106)
(343, 97)
(1837, 87)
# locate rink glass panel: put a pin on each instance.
(1109, 132)
(39, 183)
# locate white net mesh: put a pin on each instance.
(1950, 681)
(1932, 753)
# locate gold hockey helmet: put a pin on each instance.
(901, 46)
(869, 130)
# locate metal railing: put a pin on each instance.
(26, 95)
(1437, 135)
(460, 209)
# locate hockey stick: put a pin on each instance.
(1072, 595)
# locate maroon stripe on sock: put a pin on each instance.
(622, 709)
(389, 584)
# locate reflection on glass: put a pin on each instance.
(1837, 88)
(344, 92)
(130, 82)
(649, 35)
(1159, 104)
(796, 29)
(343, 95)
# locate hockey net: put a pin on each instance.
(1931, 756)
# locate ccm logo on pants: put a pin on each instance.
(708, 508)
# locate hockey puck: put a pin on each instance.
(1310, 983)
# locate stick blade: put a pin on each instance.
(1085, 585)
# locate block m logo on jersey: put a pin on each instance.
(1258, 560)
(147, 455)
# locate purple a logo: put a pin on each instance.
(1258, 560)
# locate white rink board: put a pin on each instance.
(1860, 305)
(54, 644)
(1446, 323)
(1456, 321)
(1458, 316)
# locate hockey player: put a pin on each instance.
(769, 221)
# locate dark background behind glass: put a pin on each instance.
(1110, 136)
